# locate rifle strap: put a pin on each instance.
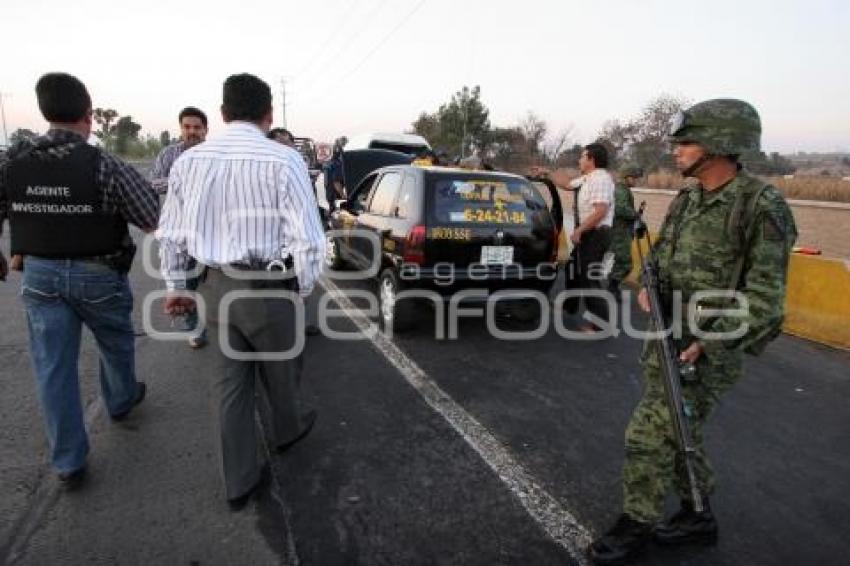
(740, 227)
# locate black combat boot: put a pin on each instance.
(625, 539)
(688, 527)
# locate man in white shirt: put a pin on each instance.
(242, 206)
(594, 213)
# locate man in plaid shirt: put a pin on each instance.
(193, 130)
(591, 237)
(68, 205)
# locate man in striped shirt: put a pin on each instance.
(69, 205)
(242, 206)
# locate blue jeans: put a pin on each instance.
(59, 296)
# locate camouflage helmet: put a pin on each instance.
(723, 126)
(631, 171)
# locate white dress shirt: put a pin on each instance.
(596, 187)
(321, 194)
(240, 197)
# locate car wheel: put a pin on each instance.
(333, 259)
(527, 311)
(394, 314)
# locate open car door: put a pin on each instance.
(358, 163)
(553, 199)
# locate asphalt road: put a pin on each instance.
(426, 451)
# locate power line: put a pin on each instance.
(345, 43)
(322, 47)
(368, 55)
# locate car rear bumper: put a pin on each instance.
(492, 279)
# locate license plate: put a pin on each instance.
(497, 255)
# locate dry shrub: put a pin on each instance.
(813, 188)
(830, 189)
(666, 180)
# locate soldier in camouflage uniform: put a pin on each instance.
(621, 234)
(730, 232)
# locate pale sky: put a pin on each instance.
(374, 65)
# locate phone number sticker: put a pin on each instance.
(493, 216)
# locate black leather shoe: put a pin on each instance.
(309, 420)
(140, 396)
(626, 539)
(688, 527)
(239, 503)
(69, 481)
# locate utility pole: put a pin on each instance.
(283, 100)
(3, 115)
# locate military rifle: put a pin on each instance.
(671, 367)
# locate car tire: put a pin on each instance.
(527, 311)
(333, 258)
(392, 313)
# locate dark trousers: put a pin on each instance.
(265, 325)
(586, 260)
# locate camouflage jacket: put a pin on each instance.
(624, 206)
(697, 251)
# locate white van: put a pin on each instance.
(411, 144)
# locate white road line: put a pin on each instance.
(558, 523)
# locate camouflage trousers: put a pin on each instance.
(653, 463)
(621, 247)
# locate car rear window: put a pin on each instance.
(485, 201)
(400, 147)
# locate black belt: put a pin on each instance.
(274, 274)
(284, 264)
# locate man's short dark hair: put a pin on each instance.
(246, 98)
(274, 132)
(192, 112)
(62, 98)
(598, 153)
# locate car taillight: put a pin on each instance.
(414, 249)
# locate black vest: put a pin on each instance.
(56, 206)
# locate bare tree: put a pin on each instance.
(642, 140)
(534, 130)
(654, 121)
(619, 134)
(554, 146)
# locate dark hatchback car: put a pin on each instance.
(445, 230)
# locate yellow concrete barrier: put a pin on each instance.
(817, 301)
(817, 305)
